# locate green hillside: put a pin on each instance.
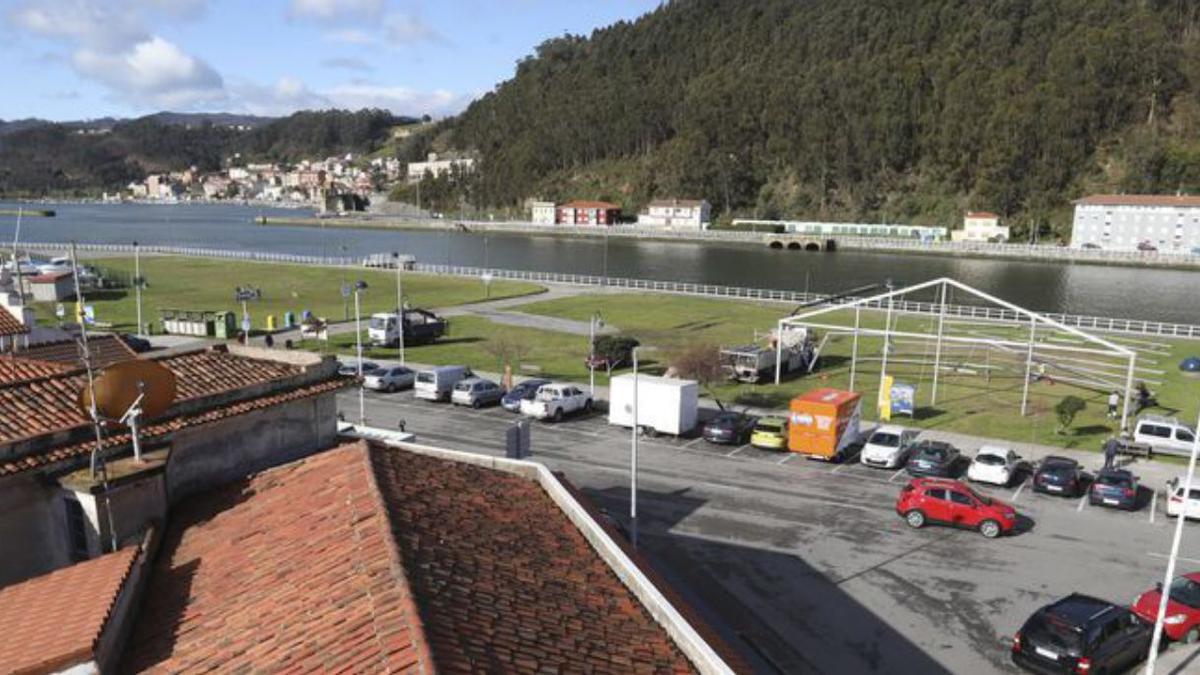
(869, 109)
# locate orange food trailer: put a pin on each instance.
(824, 422)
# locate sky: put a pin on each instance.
(84, 59)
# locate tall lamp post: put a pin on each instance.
(596, 322)
(399, 304)
(1165, 592)
(138, 282)
(359, 287)
(633, 454)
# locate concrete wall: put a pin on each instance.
(134, 506)
(33, 536)
(217, 454)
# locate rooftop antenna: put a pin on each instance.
(128, 391)
(16, 261)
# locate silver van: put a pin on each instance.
(436, 384)
(1165, 435)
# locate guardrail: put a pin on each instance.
(1096, 323)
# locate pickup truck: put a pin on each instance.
(554, 401)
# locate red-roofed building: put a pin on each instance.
(50, 286)
(587, 213)
(981, 226)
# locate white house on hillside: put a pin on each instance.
(981, 226)
(542, 213)
(677, 214)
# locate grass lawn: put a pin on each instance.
(969, 401)
(208, 284)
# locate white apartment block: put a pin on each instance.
(542, 213)
(691, 214)
(1164, 223)
(981, 226)
(436, 167)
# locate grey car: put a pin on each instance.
(476, 392)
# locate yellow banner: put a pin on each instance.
(885, 398)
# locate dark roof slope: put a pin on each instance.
(53, 621)
(105, 350)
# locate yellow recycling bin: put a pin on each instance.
(270, 322)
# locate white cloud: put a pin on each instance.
(336, 10)
(290, 94)
(153, 72)
(347, 63)
(405, 29)
(352, 36)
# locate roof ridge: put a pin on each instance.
(412, 614)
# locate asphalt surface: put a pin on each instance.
(806, 567)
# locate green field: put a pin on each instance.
(206, 284)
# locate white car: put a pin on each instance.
(1176, 498)
(553, 401)
(888, 447)
(993, 464)
(389, 378)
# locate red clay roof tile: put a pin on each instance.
(105, 350)
(14, 369)
(10, 325)
(1141, 200)
(52, 622)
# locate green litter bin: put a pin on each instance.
(225, 326)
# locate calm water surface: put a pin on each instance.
(1160, 295)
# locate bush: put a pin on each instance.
(1066, 410)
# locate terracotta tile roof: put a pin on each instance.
(72, 451)
(583, 204)
(11, 325)
(13, 369)
(53, 621)
(37, 407)
(380, 559)
(105, 349)
(1140, 200)
(981, 214)
(293, 569)
(685, 203)
(505, 581)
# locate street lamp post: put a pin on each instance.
(362, 404)
(399, 305)
(633, 455)
(596, 321)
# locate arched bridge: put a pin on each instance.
(800, 242)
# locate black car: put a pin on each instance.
(1059, 476)
(933, 458)
(1114, 487)
(522, 391)
(1081, 634)
(137, 344)
(729, 428)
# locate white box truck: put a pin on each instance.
(665, 405)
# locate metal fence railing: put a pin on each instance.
(989, 313)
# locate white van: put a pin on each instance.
(1165, 435)
(1180, 503)
(436, 384)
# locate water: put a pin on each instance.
(1126, 292)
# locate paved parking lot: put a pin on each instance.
(807, 567)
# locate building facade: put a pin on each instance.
(1163, 223)
(542, 213)
(981, 226)
(587, 213)
(436, 166)
(690, 214)
(918, 232)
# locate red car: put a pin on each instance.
(1182, 622)
(951, 502)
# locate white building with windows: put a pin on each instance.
(436, 166)
(542, 213)
(981, 226)
(1164, 223)
(691, 214)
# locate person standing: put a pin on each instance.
(1110, 452)
(1114, 399)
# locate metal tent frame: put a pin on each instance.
(942, 286)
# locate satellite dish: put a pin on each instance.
(119, 387)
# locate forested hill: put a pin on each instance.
(57, 159)
(878, 109)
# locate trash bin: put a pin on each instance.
(270, 322)
(225, 326)
(289, 319)
(305, 315)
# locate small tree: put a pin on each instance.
(1066, 410)
(700, 361)
(614, 350)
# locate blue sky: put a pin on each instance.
(79, 59)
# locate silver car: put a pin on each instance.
(476, 392)
(389, 379)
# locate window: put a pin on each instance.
(936, 493)
(1184, 435)
(76, 530)
(960, 498)
(1155, 430)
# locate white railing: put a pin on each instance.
(1095, 323)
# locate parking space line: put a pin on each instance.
(1019, 488)
(1165, 557)
(896, 475)
(840, 467)
(1082, 501)
(693, 442)
(785, 459)
(1153, 503)
(736, 450)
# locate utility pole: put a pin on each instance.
(137, 285)
(399, 305)
(17, 260)
(362, 404)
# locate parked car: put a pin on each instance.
(1059, 476)
(888, 447)
(1146, 246)
(932, 458)
(350, 368)
(993, 464)
(1114, 487)
(770, 433)
(436, 384)
(136, 343)
(476, 392)
(1090, 246)
(556, 400)
(1181, 501)
(950, 502)
(1081, 634)
(522, 391)
(1182, 621)
(1165, 435)
(390, 379)
(729, 428)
